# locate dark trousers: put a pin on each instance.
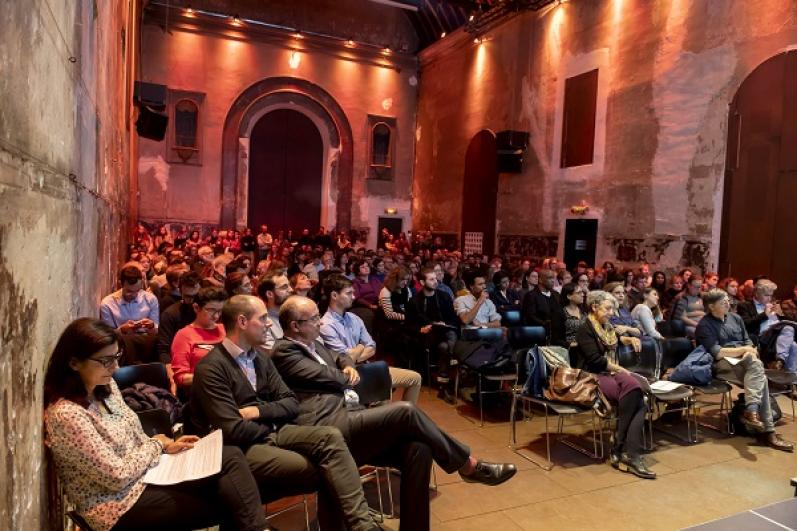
(401, 436)
(630, 423)
(440, 342)
(229, 498)
(306, 459)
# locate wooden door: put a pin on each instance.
(760, 200)
(285, 172)
(480, 189)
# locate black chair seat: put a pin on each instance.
(510, 317)
(490, 335)
(526, 336)
(716, 387)
(783, 378)
(375, 384)
(155, 421)
(676, 395)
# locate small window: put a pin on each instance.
(578, 121)
(186, 115)
(184, 139)
(381, 147)
(380, 138)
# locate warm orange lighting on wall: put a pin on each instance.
(236, 20)
(298, 35)
(392, 211)
(189, 11)
(386, 50)
(295, 60)
(350, 44)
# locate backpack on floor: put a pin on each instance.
(487, 358)
(737, 412)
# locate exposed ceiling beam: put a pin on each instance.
(410, 5)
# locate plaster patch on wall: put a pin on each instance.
(684, 86)
(537, 247)
(156, 168)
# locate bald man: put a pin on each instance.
(398, 434)
(237, 389)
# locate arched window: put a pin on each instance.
(186, 117)
(185, 127)
(380, 145)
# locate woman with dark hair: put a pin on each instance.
(686, 275)
(596, 346)
(391, 319)
(238, 283)
(378, 269)
(731, 286)
(668, 296)
(628, 279)
(366, 286)
(102, 454)
(565, 325)
(659, 282)
(648, 313)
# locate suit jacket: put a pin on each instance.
(318, 387)
(752, 319)
(539, 310)
(221, 388)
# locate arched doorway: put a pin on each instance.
(759, 212)
(285, 172)
(480, 190)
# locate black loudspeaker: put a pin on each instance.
(511, 147)
(150, 95)
(151, 124)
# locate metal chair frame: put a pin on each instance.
(290, 508)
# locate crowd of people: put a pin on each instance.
(262, 335)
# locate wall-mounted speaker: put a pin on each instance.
(151, 124)
(511, 147)
(150, 95)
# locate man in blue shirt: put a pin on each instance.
(343, 332)
(131, 310)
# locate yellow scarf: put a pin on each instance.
(606, 333)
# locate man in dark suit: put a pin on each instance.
(237, 389)
(397, 434)
(541, 304)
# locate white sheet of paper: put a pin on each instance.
(201, 461)
(665, 385)
(733, 361)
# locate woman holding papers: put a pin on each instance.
(102, 454)
(597, 342)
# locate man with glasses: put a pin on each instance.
(724, 336)
(397, 434)
(237, 389)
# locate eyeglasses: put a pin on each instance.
(314, 319)
(108, 361)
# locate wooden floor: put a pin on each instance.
(717, 477)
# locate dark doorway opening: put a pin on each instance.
(285, 172)
(758, 213)
(393, 225)
(480, 190)
(581, 237)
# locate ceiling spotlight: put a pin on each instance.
(350, 44)
(442, 34)
(189, 10)
(236, 20)
(477, 40)
(386, 50)
(470, 18)
(298, 35)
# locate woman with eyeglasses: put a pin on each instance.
(102, 454)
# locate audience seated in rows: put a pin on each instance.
(397, 434)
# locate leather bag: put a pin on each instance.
(572, 386)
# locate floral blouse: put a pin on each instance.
(101, 457)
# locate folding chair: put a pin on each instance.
(489, 335)
(148, 373)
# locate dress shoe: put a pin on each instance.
(776, 365)
(774, 440)
(636, 466)
(614, 458)
(490, 473)
(445, 395)
(752, 421)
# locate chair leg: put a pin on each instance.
(456, 386)
(306, 513)
(481, 401)
(390, 494)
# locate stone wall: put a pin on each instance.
(212, 61)
(65, 188)
(667, 72)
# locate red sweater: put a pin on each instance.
(190, 345)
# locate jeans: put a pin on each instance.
(786, 349)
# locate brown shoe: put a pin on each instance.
(774, 440)
(752, 421)
(776, 365)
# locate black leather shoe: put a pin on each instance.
(490, 473)
(636, 466)
(614, 458)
